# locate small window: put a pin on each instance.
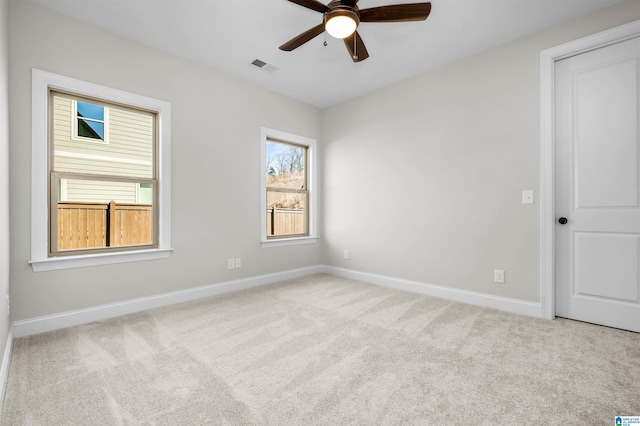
(287, 191)
(288, 196)
(90, 121)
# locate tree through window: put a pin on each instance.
(287, 189)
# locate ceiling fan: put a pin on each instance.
(342, 17)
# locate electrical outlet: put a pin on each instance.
(498, 275)
(346, 254)
(238, 262)
(231, 263)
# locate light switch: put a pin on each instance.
(527, 196)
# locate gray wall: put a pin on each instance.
(216, 122)
(423, 179)
(4, 176)
(420, 180)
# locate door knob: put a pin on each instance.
(563, 220)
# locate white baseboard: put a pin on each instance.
(4, 369)
(521, 307)
(83, 316)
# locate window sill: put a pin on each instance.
(288, 242)
(70, 262)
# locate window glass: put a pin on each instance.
(100, 214)
(129, 153)
(102, 194)
(91, 111)
(90, 120)
(287, 192)
(286, 165)
(145, 194)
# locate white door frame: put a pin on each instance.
(548, 59)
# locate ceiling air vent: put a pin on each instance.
(258, 63)
(263, 65)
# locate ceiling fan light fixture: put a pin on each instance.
(340, 18)
(341, 23)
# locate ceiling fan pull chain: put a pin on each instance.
(324, 21)
(355, 47)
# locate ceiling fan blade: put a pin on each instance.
(301, 39)
(396, 13)
(356, 48)
(311, 4)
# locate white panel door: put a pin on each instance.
(597, 186)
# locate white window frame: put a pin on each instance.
(74, 125)
(42, 82)
(265, 135)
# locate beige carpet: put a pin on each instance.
(324, 350)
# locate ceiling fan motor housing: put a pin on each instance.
(342, 8)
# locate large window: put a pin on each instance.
(100, 187)
(96, 189)
(288, 200)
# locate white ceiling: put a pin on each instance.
(228, 35)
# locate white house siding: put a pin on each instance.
(98, 192)
(127, 152)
